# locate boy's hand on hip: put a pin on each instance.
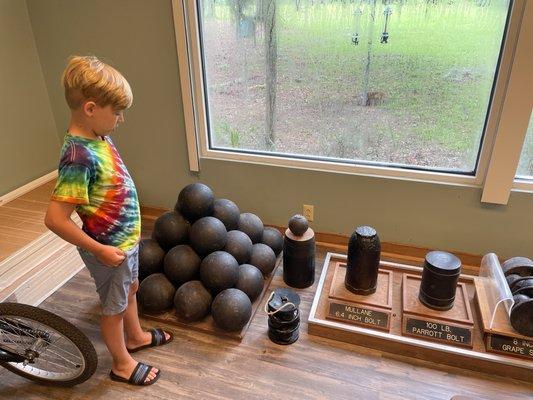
(110, 256)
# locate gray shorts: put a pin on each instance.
(113, 283)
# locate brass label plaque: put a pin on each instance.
(359, 315)
(511, 346)
(442, 332)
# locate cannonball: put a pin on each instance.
(231, 309)
(192, 301)
(219, 271)
(171, 229)
(263, 257)
(298, 224)
(181, 264)
(156, 293)
(250, 281)
(252, 225)
(208, 234)
(273, 239)
(195, 201)
(227, 212)
(151, 257)
(239, 246)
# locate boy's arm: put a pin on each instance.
(58, 220)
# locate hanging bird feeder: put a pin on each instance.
(357, 24)
(385, 35)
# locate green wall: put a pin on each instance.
(138, 38)
(28, 142)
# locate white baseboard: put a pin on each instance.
(27, 187)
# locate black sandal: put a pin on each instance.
(138, 376)
(158, 339)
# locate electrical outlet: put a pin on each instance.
(308, 212)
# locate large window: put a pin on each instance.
(525, 167)
(402, 82)
(412, 89)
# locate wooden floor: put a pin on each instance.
(200, 366)
(22, 219)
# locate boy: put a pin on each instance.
(94, 182)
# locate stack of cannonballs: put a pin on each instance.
(206, 256)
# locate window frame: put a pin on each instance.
(489, 175)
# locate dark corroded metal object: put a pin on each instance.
(298, 224)
(231, 310)
(299, 259)
(283, 316)
(439, 280)
(273, 239)
(192, 301)
(522, 316)
(524, 286)
(522, 266)
(364, 250)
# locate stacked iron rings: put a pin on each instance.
(519, 274)
(283, 316)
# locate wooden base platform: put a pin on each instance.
(207, 325)
(500, 337)
(449, 353)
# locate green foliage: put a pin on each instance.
(437, 69)
(224, 133)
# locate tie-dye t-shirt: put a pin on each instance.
(93, 176)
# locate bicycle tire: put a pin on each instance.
(62, 326)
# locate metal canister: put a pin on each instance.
(299, 259)
(439, 280)
(364, 252)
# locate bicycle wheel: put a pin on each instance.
(55, 351)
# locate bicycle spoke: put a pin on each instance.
(48, 350)
(55, 359)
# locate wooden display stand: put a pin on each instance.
(404, 306)
(207, 325)
(501, 337)
(454, 326)
(373, 310)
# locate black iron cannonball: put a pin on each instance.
(156, 293)
(273, 239)
(263, 258)
(239, 246)
(231, 309)
(227, 212)
(250, 281)
(208, 234)
(181, 264)
(151, 257)
(171, 229)
(252, 225)
(298, 224)
(196, 201)
(219, 271)
(192, 301)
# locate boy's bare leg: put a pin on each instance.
(135, 336)
(112, 328)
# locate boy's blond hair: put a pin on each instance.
(88, 78)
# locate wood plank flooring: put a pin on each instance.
(21, 220)
(201, 366)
